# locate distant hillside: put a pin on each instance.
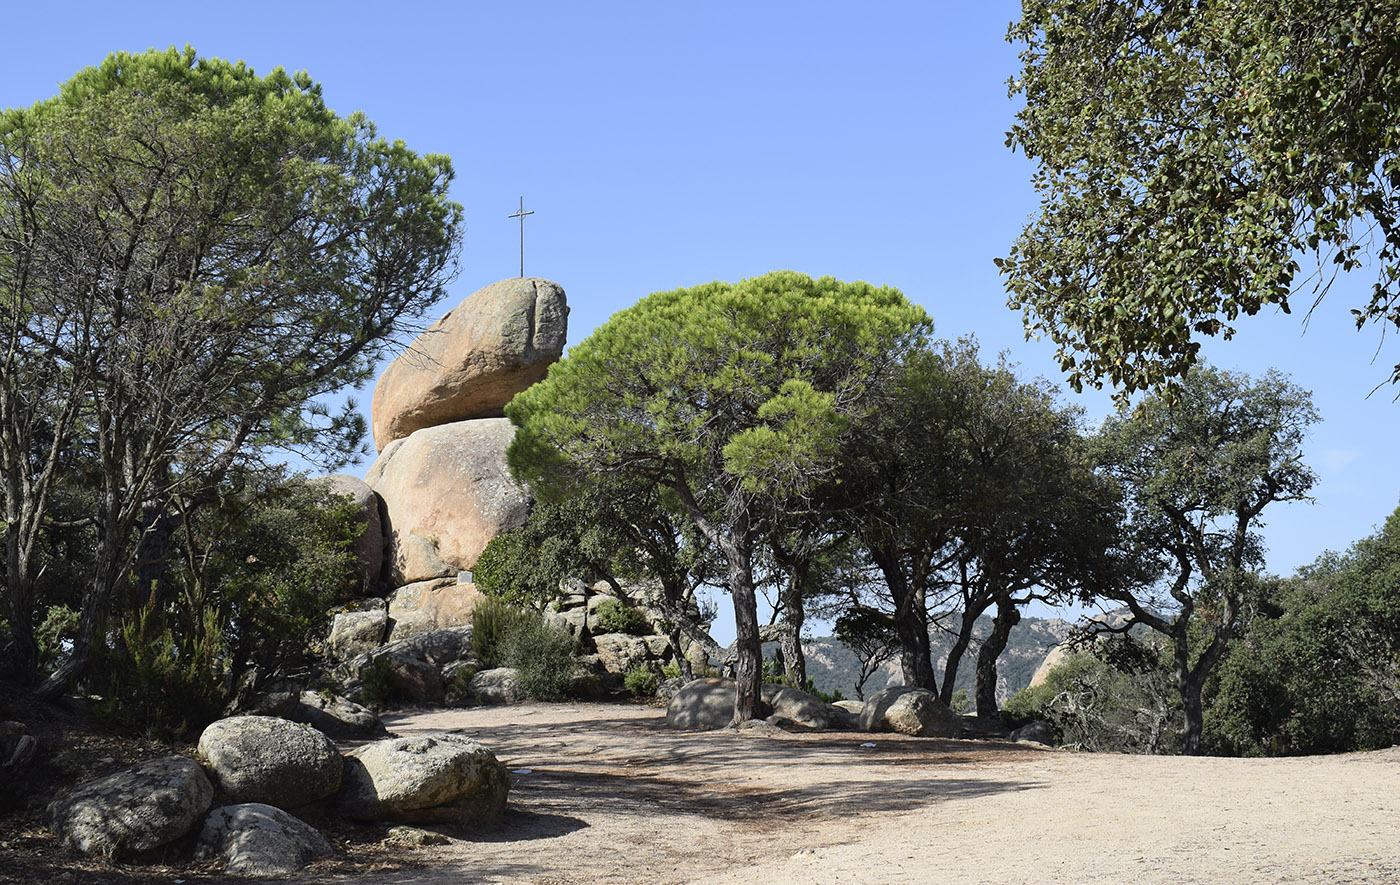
(834, 667)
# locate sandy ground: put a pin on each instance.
(608, 794)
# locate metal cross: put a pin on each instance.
(521, 215)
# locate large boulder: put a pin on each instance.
(336, 717)
(142, 807)
(369, 546)
(704, 704)
(429, 605)
(469, 364)
(271, 760)
(803, 709)
(259, 840)
(450, 485)
(437, 778)
(913, 711)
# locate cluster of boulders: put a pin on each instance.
(614, 634)
(708, 704)
(270, 774)
(440, 489)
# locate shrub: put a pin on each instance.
(493, 620)
(544, 655)
(615, 617)
(962, 702)
(167, 685)
(641, 681)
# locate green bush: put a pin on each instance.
(544, 655)
(493, 620)
(641, 681)
(615, 617)
(168, 685)
(962, 702)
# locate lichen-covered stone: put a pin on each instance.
(437, 778)
(142, 807)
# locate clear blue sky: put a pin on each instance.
(668, 144)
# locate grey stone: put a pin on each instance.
(803, 709)
(259, 840)
(912, 711)
(357, 632)
(619, 652)
(1037, 732)
(498, 686)
(437, 778)
(336, 717)
(413, 679)
(432, 605)
(703, 704)
(270, 760)
(139, 808)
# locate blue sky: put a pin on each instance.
(668, 144)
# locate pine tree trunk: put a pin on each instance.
(794, 616)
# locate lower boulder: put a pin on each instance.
(336, 717)
(259, 840)
(143, 807)
(913, 711)
(270, 760)
(702, 704)
(438, 778)
(498, 686)
(804, 710)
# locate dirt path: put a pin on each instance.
(608, 794)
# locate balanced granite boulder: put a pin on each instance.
(142, 807)
(259, 840)
(469, 364)
(436, 778)
(448, 484)
(913, 711)
(271, 760)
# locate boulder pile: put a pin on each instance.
(439, 490)
(268, 776)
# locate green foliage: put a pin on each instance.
(59, 626)
(190, 257)
(493, 620)
(641, 680)
(377, 683)
(1323, 674)
(1188, 154)
(271, 560)
(167, 684)
(1097, 707)
(614, 616)
(962, 702)
(545, 655)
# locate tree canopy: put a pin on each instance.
(1189, 154)
(190, 254)
(737, 398)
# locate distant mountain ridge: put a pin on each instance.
(834, 667)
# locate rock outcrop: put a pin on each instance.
(143, 807)
(259, 840)
(270, 760)
(470, 363)
(448, 484)
(438, 778)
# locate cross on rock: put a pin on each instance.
(521, 215)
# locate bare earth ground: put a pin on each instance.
(608, 794)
